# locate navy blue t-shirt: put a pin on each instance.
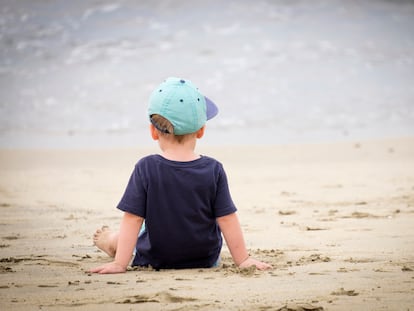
(180, 202)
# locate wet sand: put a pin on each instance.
(335, 221)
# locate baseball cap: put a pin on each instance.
(181, 103)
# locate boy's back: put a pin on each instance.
(180, 202)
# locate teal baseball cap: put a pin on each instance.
(181, 103)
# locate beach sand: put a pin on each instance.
(336, 221)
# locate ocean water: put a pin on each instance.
(76, 74)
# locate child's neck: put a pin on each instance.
(180, 155)
(179, 152)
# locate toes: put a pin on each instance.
(98, 233)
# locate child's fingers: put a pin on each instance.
(263, 266)
(108, 269)
(253, 262)
(96, 269)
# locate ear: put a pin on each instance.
(200, 132)
(154, 132)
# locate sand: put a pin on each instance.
(336, 221)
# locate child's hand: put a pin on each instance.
(109, 268)
(253, 262)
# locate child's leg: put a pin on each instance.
(106, 240)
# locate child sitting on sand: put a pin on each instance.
(182, 196)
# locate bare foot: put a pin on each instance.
(106, 240)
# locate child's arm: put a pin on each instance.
(128, 235)
(230, 227)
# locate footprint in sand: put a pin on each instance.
(312, 259)
(11, 237)
(4, 269)
(359, 215)
(300, 307)
(162, 297)
(287, 213)
(343, 292)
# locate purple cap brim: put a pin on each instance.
(212, 109)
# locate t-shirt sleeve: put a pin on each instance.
(135, 196)
(224, 204)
